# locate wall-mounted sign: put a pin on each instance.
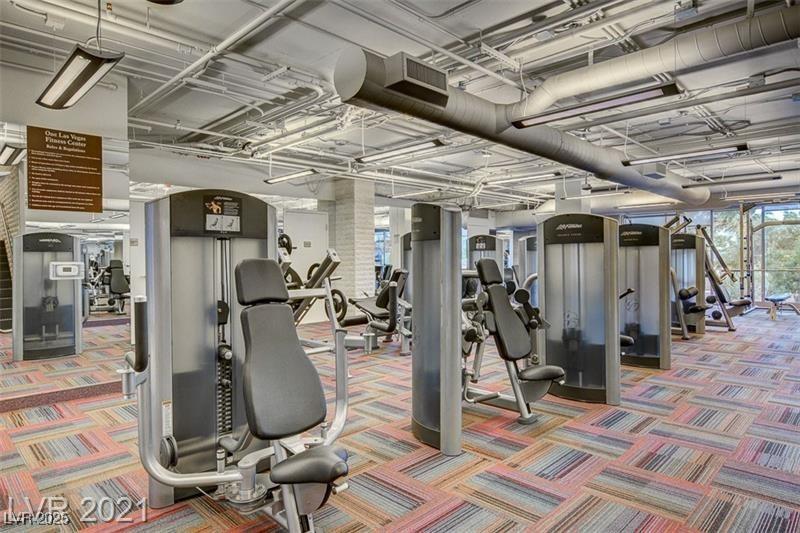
(65, 170)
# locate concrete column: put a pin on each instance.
(571, 189)
(354, 226)
(399, 225)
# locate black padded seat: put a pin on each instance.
(698, 308)
(744, 302)
(321, 464)
(370, 306)
(541, 373)
(778, 298)
(625, 340)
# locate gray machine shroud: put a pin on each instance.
(578, 296)
(194, 240)
(645, 315)
(47, 296)
(436, 315)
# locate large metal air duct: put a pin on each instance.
(361, 79)
(686, 51)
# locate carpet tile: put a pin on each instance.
(711, 445)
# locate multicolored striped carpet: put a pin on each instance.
(32, 383)
(711, 445)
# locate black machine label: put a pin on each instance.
(47, 242)
(482, 242)
(638, 235)
(684, 241)
(573, 228)
(223, 214)
(218, 212)
(425, 222)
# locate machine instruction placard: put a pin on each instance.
(223, 214)
(65, 170)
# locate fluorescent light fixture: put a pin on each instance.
(292, 176)
(642, 206)
(118, 215)
(415, 193)
(762, 196)
(733, 180)
(386, 154)
(495, 206)
(603, 104)
(599, 194)
(524, 178)
(12, 155)
(688, 155)
(79, 73)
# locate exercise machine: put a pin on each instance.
(408, 294)
(279, 407)
(727, 307)
(47, 296)
(644, 314)
(436, 319)
(527, 266)
(386, 313)
(688, 277)
(747, 233)
(513, 330)
(578, 296)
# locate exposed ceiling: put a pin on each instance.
(268, 100)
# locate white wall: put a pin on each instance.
(309, 233)
(137, 257)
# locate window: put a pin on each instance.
(383, 247)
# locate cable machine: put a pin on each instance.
(578, 278)
(644, 269)
(47, 296)
(194, 240)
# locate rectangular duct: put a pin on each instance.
(416, 79)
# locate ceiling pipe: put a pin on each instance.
(689, 50)
(226, 43)
(359, 79)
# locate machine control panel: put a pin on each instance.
(66, 270)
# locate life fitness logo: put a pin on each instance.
(630, 233)
(562, 227)
(53, 241)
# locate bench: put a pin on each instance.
(778, 302)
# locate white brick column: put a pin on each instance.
(354, 228)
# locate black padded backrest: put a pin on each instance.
(283, 394)
(512, 337)
(115, 263)
(260, 281)
(488, 272)
(118, 284)
(398, 276)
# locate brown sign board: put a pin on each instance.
(65, 170)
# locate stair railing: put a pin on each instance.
(7, 238)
